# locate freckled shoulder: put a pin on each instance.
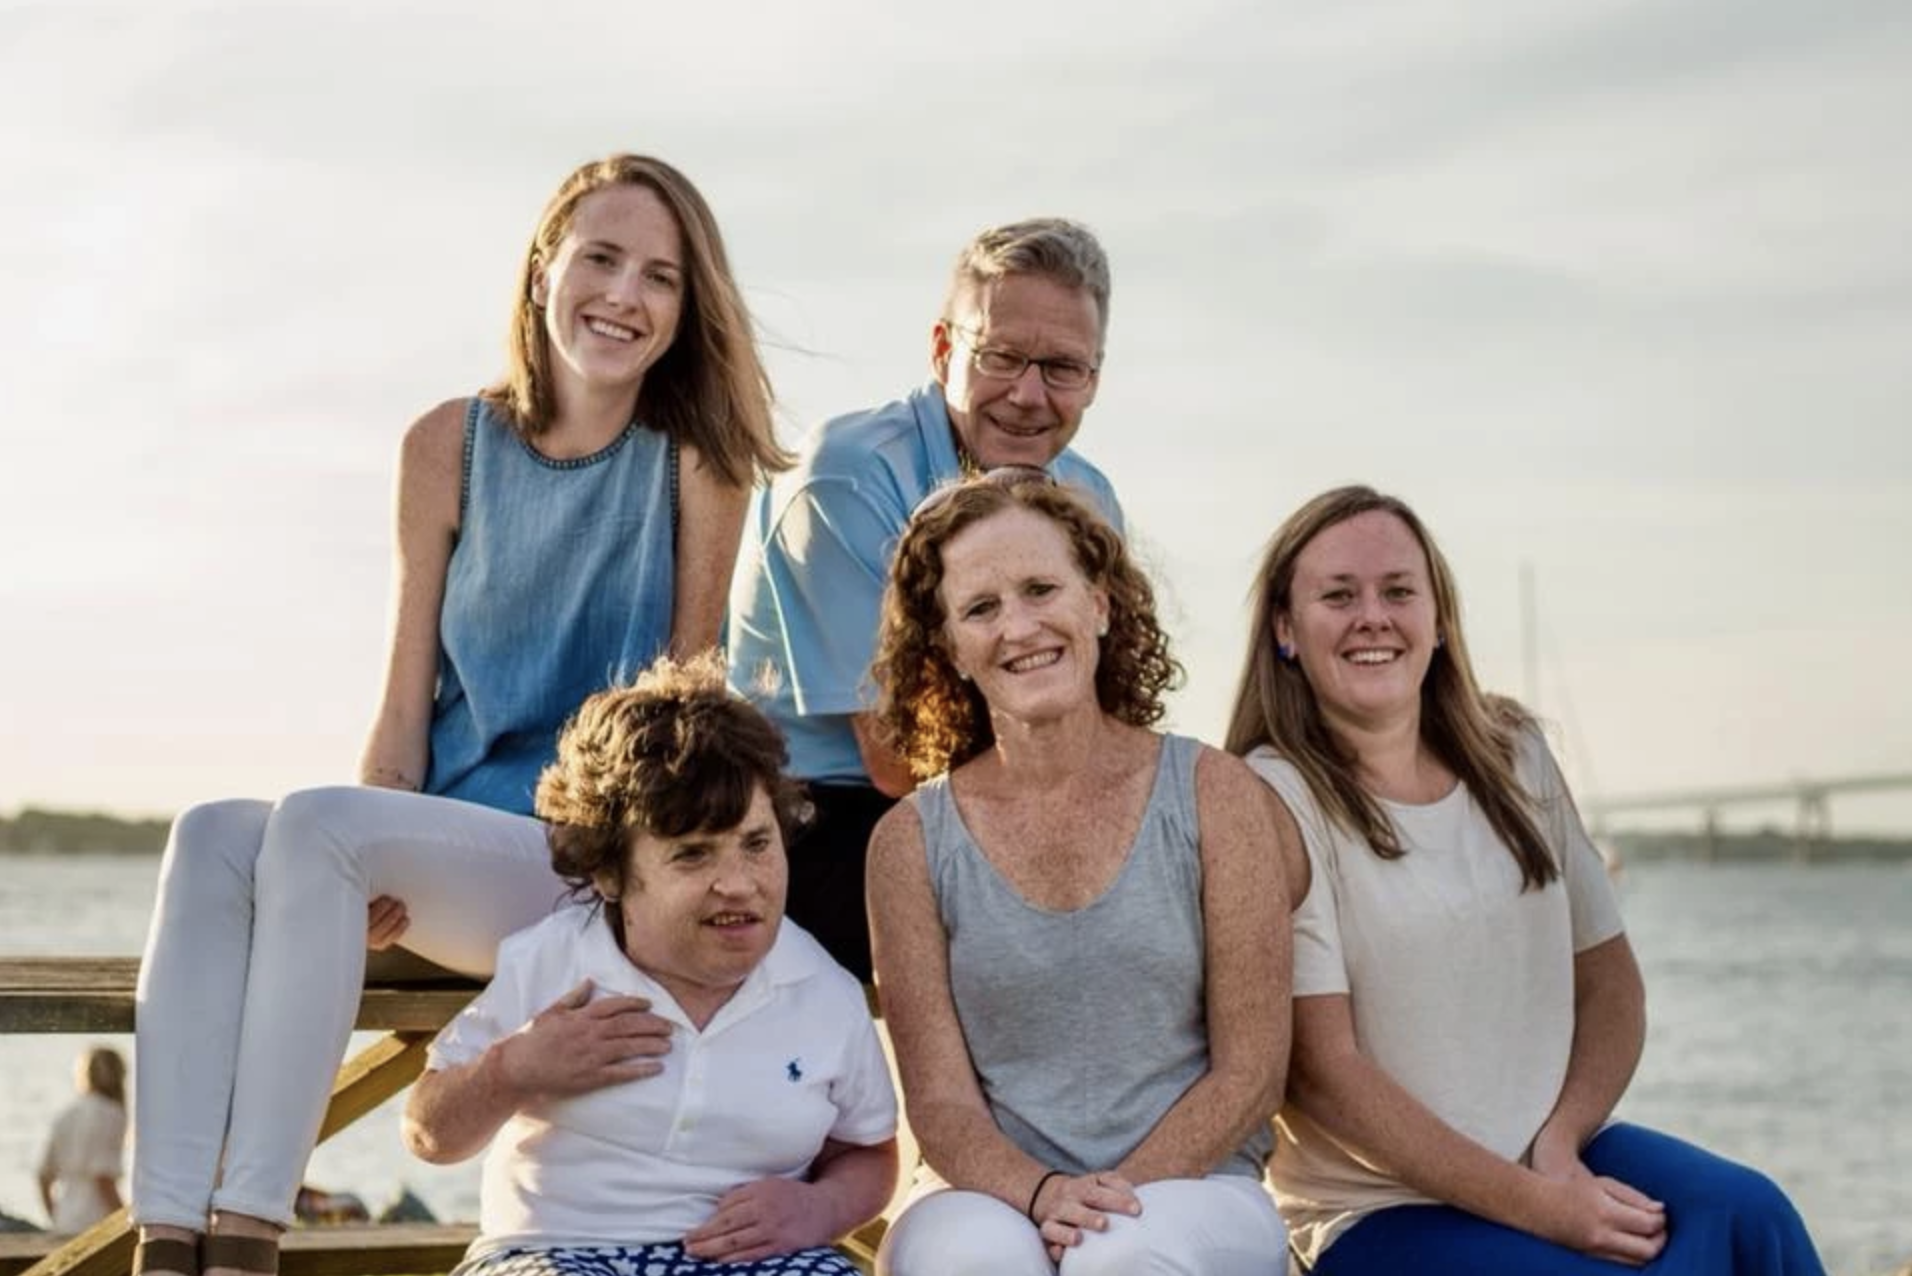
(1236, 803)
(898, 836)
(431, 465)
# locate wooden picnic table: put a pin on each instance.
(404, 998)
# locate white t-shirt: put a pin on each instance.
(790, 1060)
(1460, 983)
(86, 1144)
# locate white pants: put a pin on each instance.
(1223, 1225)
(256, 958)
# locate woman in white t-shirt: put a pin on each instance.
(1467, 1010)
(80, 1168)
(672, 1078)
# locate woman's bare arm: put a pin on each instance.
(952, 1122)
(1609, 1032)
(1249, 954)
(430, 469)
(710, 524)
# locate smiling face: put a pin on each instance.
(1361, 619)
(700, 911)
(1017, 420)
(1020, 619)
(613, 291)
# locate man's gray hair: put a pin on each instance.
(1053, 247)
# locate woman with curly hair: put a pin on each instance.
(764, 1127)
(1080, 923)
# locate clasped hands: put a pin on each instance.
(1067, 1206)
(1601, 1216)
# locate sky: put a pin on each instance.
(1617, 292)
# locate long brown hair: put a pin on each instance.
(926, 711)
(1473, 734)
(709, 389)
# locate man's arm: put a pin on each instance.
(827, 559)
(887, 770)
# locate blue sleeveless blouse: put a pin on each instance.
(560, 584)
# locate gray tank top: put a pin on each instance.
(1084, 1026)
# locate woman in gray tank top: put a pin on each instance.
(1080, 924)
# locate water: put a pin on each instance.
(98, 905)
(1780, 1001)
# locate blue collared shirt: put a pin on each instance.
(808, 593)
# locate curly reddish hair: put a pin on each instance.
(676, 752)
(926, 711)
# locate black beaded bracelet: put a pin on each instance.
(1052, 1174)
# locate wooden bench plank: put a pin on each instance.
(372, 1076)
(859, 1246)
(348, 1250)
(104, 1249)
(95, 994)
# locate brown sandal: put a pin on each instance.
(254, 1254)
(166, 1254)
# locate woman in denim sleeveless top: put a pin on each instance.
(555, 532)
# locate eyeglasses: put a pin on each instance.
(999, 364)
(998, 476)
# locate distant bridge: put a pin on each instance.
(1813, 799)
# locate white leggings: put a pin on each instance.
(1223, 1225)
(253, 968)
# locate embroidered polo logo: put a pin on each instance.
(793, 1071)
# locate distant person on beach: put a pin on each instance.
(1081, 923)
(1015, 359)
(554, 532)
(1467, 1009)
(80, 1168)
(767, 1129)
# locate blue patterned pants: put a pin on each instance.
(665, 1259)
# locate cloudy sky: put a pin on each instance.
(1618, 290)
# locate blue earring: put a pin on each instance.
(1286, 652)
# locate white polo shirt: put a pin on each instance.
(790, 1060)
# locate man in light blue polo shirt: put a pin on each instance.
(1014, 362)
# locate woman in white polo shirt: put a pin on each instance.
(672, 1079)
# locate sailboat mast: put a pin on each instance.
(1529, 641)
